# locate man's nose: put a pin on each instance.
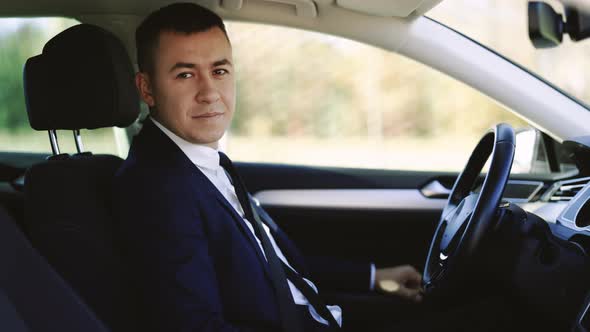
(208, 92)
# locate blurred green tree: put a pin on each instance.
(15, 48)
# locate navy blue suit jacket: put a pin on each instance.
(196, 264)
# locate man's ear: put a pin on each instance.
(144, 86)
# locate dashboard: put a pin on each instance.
(562, 209)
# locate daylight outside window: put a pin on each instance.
(324, 100)
(21, 38)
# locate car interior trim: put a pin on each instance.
(366, 199)
(536, 185)
(387, 8)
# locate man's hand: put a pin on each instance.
(401, 280)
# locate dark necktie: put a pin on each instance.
(289, 315)
(275, 263)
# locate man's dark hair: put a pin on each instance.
(184, 18)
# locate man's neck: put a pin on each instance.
(171, 134)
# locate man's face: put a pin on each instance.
(192, 88)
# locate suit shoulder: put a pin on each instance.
(146, 196)
(150, 177)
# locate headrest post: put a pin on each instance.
(78, 140)
(53, 140)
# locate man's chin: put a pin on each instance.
(210, 142)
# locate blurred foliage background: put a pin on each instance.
(19, 40)
(308, 98)
(307, 84)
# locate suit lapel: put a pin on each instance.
(212, 190)
(156, 144)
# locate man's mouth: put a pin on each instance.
(207, 115)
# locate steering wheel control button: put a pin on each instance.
(389, 286)
(457, 221)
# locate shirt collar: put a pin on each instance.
(200, 155)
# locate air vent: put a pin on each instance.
(566, 190)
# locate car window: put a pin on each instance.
(502, 25)
(313, 99)
(21, 38)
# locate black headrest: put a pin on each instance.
(82, 80)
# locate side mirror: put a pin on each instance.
(546, 27)
(530, 155)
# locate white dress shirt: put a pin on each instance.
(207, 160)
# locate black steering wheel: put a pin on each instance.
(469, 215)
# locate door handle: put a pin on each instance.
(435, 189)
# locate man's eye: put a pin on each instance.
(220, 72)
(184, 75)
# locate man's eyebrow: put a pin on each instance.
(222, 63)
(182, 65)
(218, 63)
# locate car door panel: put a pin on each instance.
(364, 215)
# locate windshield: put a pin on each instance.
(502, 25)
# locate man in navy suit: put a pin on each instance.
(200, 260)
